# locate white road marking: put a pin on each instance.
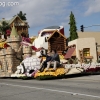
(52, 90)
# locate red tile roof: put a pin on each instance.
(69, 52)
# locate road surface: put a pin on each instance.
(79, 88)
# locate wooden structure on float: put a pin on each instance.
(20, 25)
(82, 57)
(57, 41)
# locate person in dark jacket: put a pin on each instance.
(55, 60)
(44, 64)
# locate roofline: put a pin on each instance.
(16, 17)
(58, 32)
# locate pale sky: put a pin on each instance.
(44, 13)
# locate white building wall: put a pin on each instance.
(85, 43)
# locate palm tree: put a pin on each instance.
(4, 27)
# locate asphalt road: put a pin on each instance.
(81, 88)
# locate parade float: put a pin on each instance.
(19, 56)
(29, 67)
(27, 71)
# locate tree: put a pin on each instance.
(4, 27)
(73, 28)
(22, 15)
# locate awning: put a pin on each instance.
(70, 52)
(74, 53)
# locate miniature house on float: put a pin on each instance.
(20, 25)
(96, 35)
(42, 39)
(82, 49)
(57, 41)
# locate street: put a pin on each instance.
(77, 88)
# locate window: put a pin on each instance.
(86, 52)
(43, 34)
(45, 39)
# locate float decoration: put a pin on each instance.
(3, 45)
(50, 74)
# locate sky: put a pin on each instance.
(44, 13)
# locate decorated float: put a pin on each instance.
(30, 68)
(31, 48)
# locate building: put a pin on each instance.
(82, 48)
(96, 35)
(20, 25)
(57, 41)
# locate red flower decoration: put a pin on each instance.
(6, 45)
(97, 69)
(8, 32)
(26, 39)
(91, 70)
